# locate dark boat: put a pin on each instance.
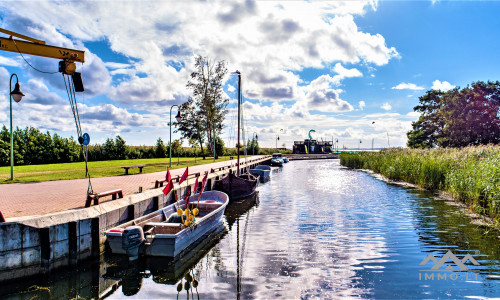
(237, 186)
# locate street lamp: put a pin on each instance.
(277, 139)
(17, 95)
(178, 118)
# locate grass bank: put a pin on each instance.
(50, 172)
(470, 175)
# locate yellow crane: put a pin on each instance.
(28, 45)
(67, 66)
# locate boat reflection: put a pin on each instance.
(234, 215)
(234, 210)
(162, 270)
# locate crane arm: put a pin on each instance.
(36, 47)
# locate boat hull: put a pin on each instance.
(170, 239)
(237, 187)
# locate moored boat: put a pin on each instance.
(277, 160)
(263, 171)
(162, 233)
(237, 187)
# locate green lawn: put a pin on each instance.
(49, 172)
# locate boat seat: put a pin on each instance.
(163, 228)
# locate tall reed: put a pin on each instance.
(470, 174)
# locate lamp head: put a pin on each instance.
(256, 137)
(16, 93)
(178, 117)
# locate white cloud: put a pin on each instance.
(407, 86)
(155, 43)
(361, 104)
(6, 61)
(442, 85)
(386, 106)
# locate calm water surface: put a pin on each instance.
(315, 231)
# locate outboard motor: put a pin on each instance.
(132, 240)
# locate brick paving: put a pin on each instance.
(38, 198)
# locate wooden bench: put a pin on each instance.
(115, 194)
(138, 166)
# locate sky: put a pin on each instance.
(351, 71)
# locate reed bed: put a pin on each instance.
(470, 175)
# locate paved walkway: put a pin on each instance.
(37, 198)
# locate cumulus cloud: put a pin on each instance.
(271, 44)
(361, 104)
(407, 86)
(6, 61)
(442, 85)
(386, 106)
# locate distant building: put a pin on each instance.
(311, 146)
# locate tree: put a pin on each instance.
(458, 118)
(160, 149)
(253, 146)
(219, 147)
(429, 126)
(208, 95)
(192, 125)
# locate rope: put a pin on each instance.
(45, 72)
(70, 89)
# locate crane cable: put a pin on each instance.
(70, 89)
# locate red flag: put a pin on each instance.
(168, 187)
(203, 183)
(184, 176)
(187, 197)
(196, 185)
(168, 177)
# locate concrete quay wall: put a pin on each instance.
(39, 244)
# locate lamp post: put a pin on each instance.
(277, 139)
(178, 118)
(17, 95)
(256, 137)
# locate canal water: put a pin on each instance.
(315, 231)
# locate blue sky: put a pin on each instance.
(335, 67)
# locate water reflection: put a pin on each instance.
(316, 230)
(179, 271)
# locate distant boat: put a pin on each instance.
(237, 186)
(277, 160)
(161, 233)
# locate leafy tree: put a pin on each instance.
(192, 125)
(253, 146)
(458, 118)
(429, 126)
(109, 149)
(121, 148)
(219, 147)
(160, 149)
(208, 95)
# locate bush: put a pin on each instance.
(470, 174)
